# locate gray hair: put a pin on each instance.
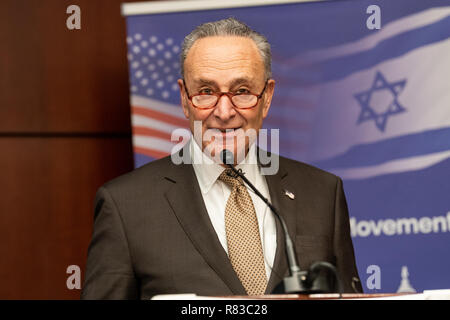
(228, 27)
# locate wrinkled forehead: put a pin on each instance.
(221, 57)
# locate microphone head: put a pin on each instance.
(227, 157)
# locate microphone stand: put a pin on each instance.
(316, 280)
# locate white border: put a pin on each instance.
(152, 7)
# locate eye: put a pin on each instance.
(242, 91)
(206, 91)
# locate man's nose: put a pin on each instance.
(224, 109)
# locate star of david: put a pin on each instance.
(369, 113)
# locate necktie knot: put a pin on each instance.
(230, 178)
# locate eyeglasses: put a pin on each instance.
(208, 100)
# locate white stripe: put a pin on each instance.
(146, 122)
(151, 7)
(153, 143)
(157, 105)
(389, 30)
(395, 166)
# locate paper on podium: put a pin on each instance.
(426, 295)
(437, 294)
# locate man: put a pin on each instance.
(194, 227)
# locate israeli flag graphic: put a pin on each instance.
(382, 123)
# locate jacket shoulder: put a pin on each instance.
(144, 175)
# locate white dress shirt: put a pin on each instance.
(215, 195)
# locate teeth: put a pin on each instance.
(227, 130)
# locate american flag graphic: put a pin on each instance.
(154, 68)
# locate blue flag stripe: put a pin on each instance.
(410, 145)
(391, 48)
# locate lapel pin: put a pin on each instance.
(289, 194)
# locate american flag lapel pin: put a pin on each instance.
(289, 194)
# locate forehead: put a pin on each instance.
(224, 58)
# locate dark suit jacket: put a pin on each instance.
(152, 234)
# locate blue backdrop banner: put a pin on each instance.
(362, 90)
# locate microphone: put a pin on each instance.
(320, 278)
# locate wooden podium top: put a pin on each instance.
(327, 296)
(321, 296)
(440, 294)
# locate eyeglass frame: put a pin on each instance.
(230, 95)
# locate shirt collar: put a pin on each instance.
(208, 172)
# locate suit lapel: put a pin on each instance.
(187, 203)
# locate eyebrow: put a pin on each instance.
(205, 81)
(237, 81)
(213, 83)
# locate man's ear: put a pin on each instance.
(183, 98)
(268, 96)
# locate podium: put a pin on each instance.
(426, 295)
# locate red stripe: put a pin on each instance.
(143, 131)
(147, 132)
(150, 152)
(183, 123)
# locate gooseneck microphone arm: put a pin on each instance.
(298, 281)
(293, 266)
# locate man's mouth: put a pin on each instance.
(226, 131)
(229, 129)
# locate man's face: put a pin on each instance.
(225, 64)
